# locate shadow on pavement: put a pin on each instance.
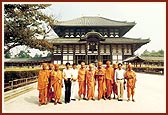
(32, 99)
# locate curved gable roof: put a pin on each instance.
(94, 35)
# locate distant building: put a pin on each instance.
(26, 62)
(146, 64)
(145, 61)
(92, 39)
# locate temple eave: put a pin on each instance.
(106, 41)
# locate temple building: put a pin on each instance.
(92, 39)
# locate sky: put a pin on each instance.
(150, 18)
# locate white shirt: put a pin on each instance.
(119, 74)
(75, 73)
(67, 73)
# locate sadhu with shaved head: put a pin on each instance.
(109, 76)
(43, 76)
(82, 81)
(100, 76)
(90, 81)
(50, 90)
(56, 83)
(130, 76)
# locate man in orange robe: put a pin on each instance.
(43, 84)
(82, 81)
(56, 83)
(114, 85)
(100, 76)
(50, 93)
(109, 76)
(90, 81)
(130, 76)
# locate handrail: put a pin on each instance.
(19, 82)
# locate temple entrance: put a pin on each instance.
(93, 46)
(92, 58)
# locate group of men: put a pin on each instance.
(109, 79)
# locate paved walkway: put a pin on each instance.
(150, 97)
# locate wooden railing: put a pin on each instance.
(151, 69)
(19, 82)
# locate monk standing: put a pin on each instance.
(50, 93)
(130, 76)
(90, 81)
(43, 84)
(82, 81)
(57, 84)
(100, 76)
(109, 76)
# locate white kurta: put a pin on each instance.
(74, 83)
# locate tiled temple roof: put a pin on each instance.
(93, 21)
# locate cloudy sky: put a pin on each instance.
(150, 17)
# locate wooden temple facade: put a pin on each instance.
(92, 39)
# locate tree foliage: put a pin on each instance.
(8, 55)
(37, 55)
(23, 25)
(153, 53)
(23, 54)
(49, 54)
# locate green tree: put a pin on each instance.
(23, 54)
(23, 25)
(161, 52)
(37, 55)
(153, 53)
(49, 54)
(8, 55)
(145, 53)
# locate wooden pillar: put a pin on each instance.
(62, 54)
(122, 52)
(74, 58)
(52, 55)
(99, 58)
(132, 48)
(11, 84)
(67, 49)
(111, 53)
(86, 53)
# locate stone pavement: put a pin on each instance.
(150, 97)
